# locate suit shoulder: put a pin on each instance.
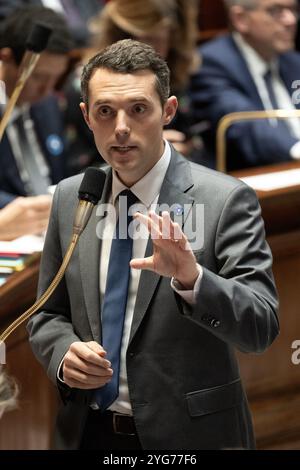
(217, 46)
(71, 184)
(292, 56)
(217, 182)
(289, 64)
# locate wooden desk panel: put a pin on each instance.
(30, 425)
(272, 381)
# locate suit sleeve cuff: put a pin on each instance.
(188, 295)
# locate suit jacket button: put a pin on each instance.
(215, 323)
(131, 354)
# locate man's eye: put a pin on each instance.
(105, 111)
(139, 108)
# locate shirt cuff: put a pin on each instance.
(295, 151)
(189, 296)
(59, 373)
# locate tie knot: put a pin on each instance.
(268, 75)
(131, 198)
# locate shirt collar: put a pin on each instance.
(17, 111)
(148, 188)
(257, 65)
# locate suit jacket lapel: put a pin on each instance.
(288, 73)
(237, 62)
(89, 260)
(177, 181)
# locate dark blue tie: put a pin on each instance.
(115, 298)
(281, 124)
(270, 88)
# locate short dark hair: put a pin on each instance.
(128, 56)
(15, 29)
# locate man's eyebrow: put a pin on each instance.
(108, 101)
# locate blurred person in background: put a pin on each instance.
(252, 68)
(24, 216)
(32, 154)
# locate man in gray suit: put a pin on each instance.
(189, 304)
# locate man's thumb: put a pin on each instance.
(96, 347)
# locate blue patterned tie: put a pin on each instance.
(115, 300)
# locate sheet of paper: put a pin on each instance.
(271, 181)
(25, 244)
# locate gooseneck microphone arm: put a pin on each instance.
(35, 44)
(89, 194)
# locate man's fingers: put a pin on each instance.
(78, 382)
(85, 352)
(173, 135)
(39, 203)
(161, 228)
(87, 367)
(142, 263)
(96, 347)
(149, 222)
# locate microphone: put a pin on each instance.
(35, 44)
(89, 194)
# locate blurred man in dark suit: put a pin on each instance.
(32, 149)
(253, 68)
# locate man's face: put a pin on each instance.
(127, 118)
(42, 81)
(270, 27)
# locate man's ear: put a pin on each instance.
(170, 109)
(85, 113)
(7, 55)
(239, 18)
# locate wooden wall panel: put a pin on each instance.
(212, 19)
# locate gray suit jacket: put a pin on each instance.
(183, 376)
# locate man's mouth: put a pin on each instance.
(123, 148)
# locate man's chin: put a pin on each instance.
(285, 46)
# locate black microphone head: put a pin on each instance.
(92, 185)
(38, 37)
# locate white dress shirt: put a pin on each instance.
(258, 68)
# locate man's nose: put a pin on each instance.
(289, 17)
(122, 129)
